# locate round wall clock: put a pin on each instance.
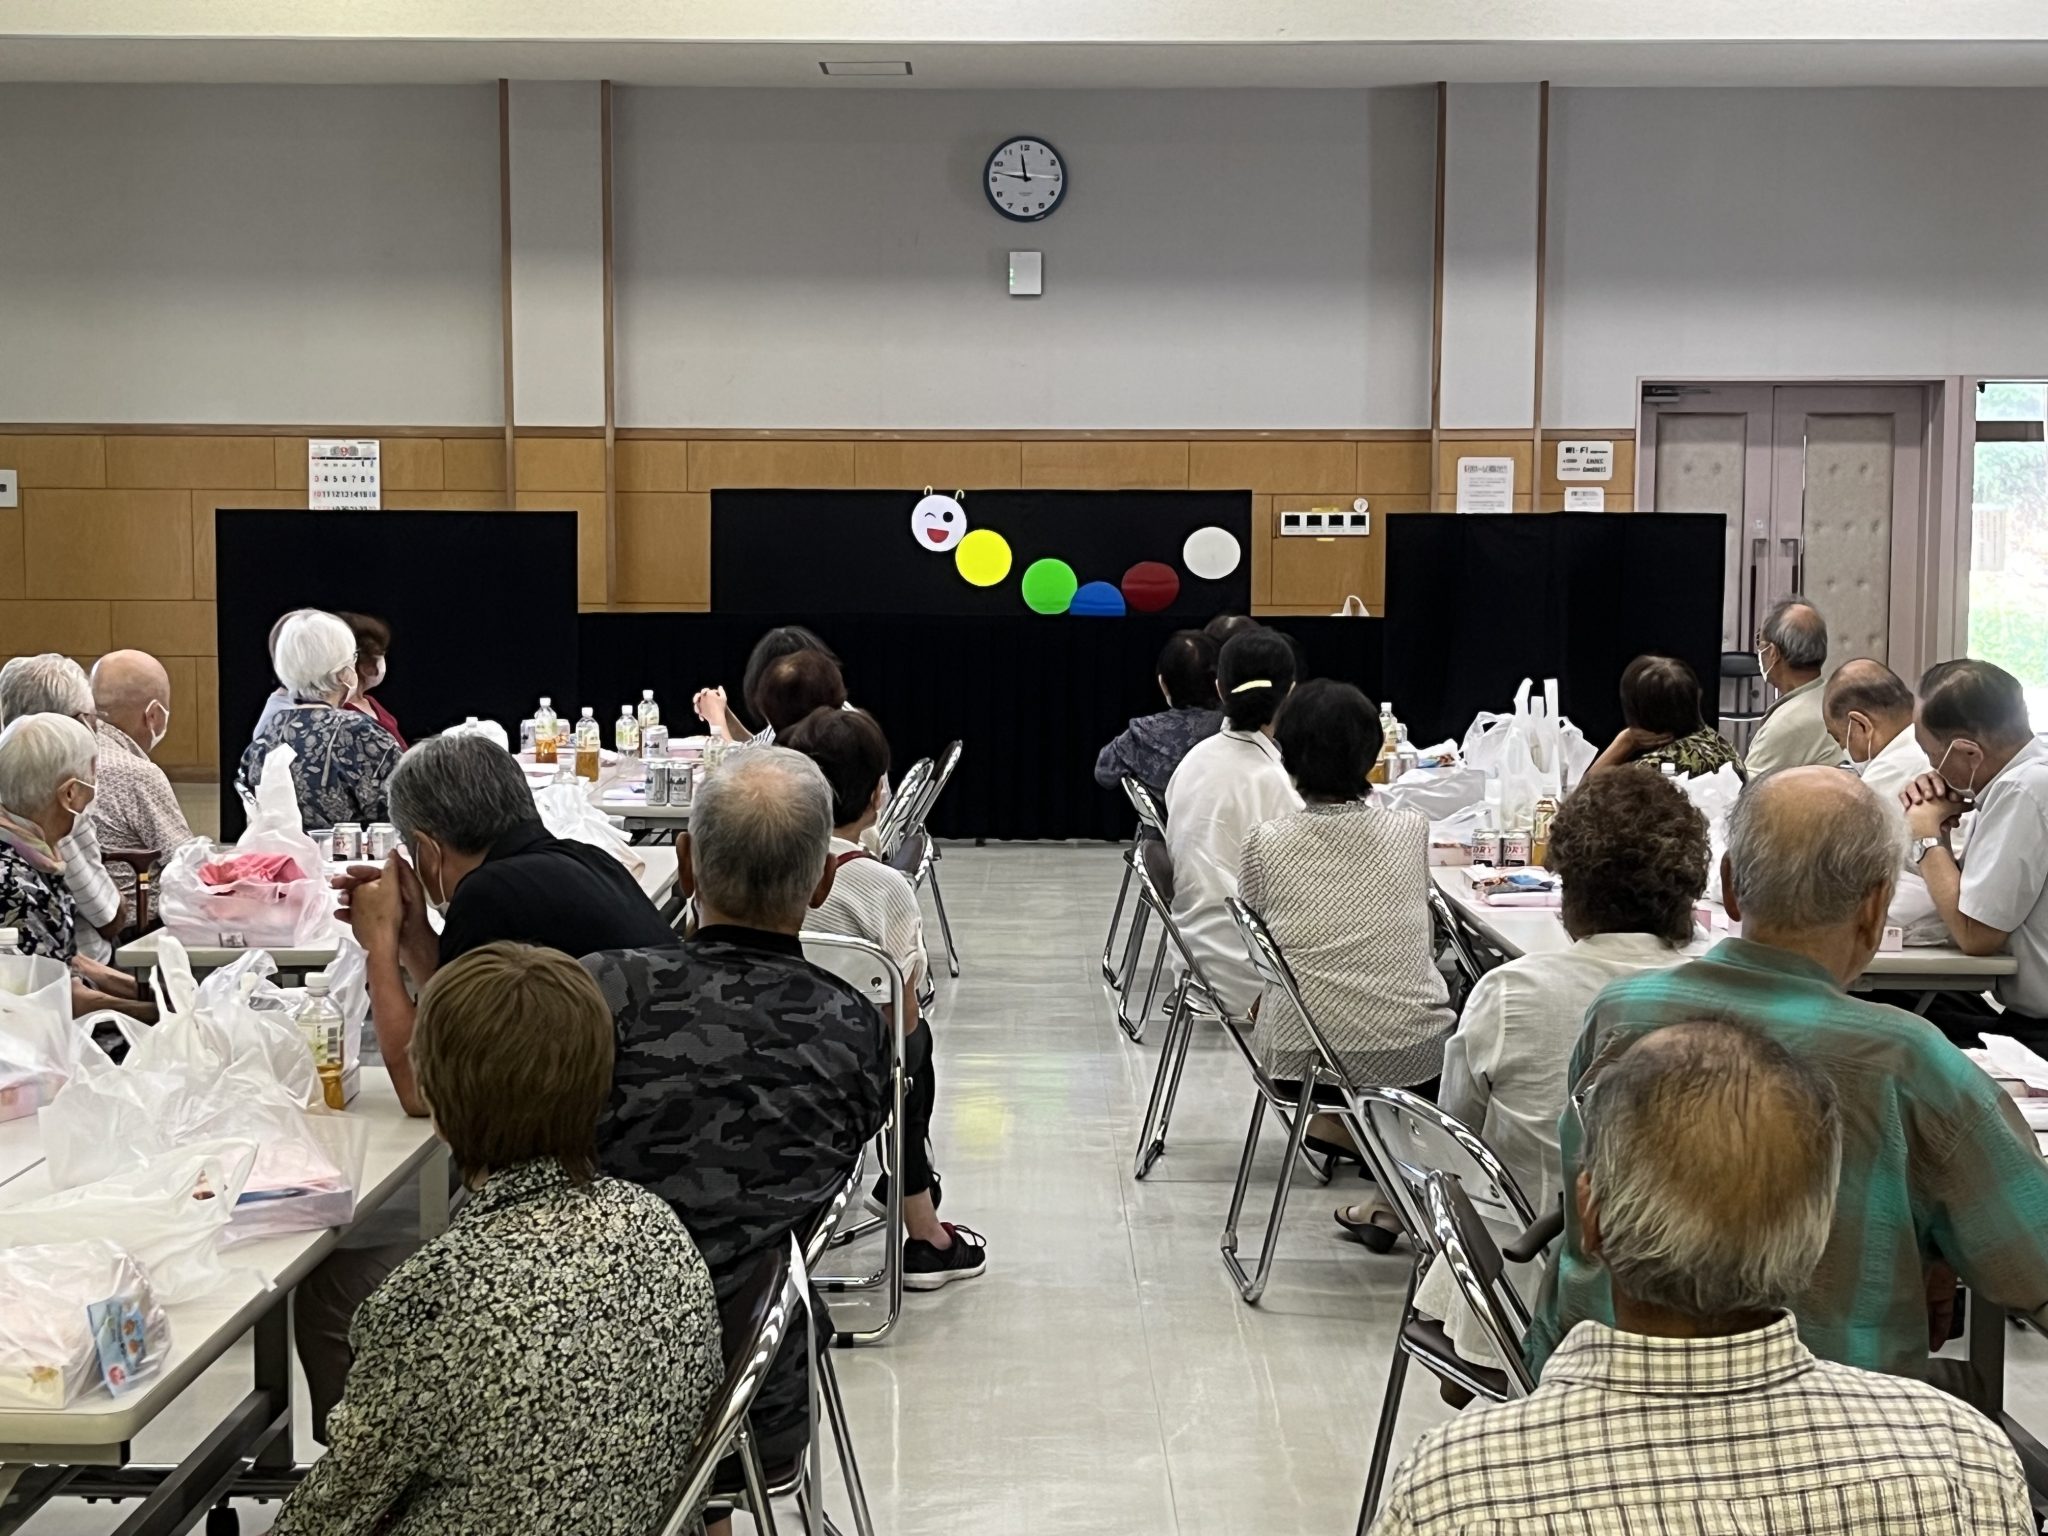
(1025, 179)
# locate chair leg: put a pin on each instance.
(842, 1439)
(1134, 952)
(1152, 986)
(945, 923)
(1252, 1287)
(760, 1505)
(1244, 1177)
(1180, 1026)
(1390, 1409)
(1116, 921)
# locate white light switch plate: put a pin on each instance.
(10, 488)
(1027, 274)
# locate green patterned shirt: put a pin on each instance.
(1936, 1160)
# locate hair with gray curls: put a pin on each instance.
(760, 833)
(1801, 638)
(465, 792)
(1817, 879)
(48, 684)
(1712, 1161)
(39, 754)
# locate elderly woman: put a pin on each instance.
(343, 757)
(373, 647)
(1663, 723)
(543, 1364)
(46, 784)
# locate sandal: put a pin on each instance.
(1369, 1232)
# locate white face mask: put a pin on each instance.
(161, 729)
(438, 903)
(1967, 791)
(1849, 746)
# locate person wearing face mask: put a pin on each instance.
(1792, 651)
(1869, 710)
(1973, 726)
(342, 757)
(46, 784)
(136, 807)
(373, 646)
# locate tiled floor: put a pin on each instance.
(1102, 1377)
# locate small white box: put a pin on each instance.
(10, 488)
(1027, 274)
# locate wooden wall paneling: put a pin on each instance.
(112, 544)
(944, 466)
(183, 746)
(13, 571)
(718, 465)
(1318, 574)
(664, 551)
(1394, 468)
(78, 628)
(206, 503)
(473, 464)
(1277, 467)
(511, 478)
(1079, 464)
(651, 464)
(560, 464)
(149, 463)
(410, 464)
(445, 501)
(207, 707)
(164, 629)
(1264, 526)
(589, 509)
(56, 461)
(292, 469)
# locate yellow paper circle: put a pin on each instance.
(983, 557)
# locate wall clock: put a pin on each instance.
(1025, 179)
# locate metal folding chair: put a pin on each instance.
(898, 815)
(928, 864)
(1121, 978)
(869, 971)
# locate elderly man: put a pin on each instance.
(1792, 648)
(136, 808)
(1939, 1171)
(1707, 1193)
(51, 684)
(747, 1081)
(1869, 712)
(1973, 726)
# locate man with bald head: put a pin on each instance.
(1940, 1175)
(1791, 651)
(135, 808)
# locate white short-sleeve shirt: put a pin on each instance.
(871, 901)
(2005, 873)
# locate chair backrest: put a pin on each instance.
(1740, 664)
(755, 1320)
(1473, 1260)
(942, 776)
(860, 964)
(1155, 864)
(902, 811)
(820, 1236)
(1408, 1138)
(1151, 811)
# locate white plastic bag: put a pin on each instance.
(170, 1213)
(40, 1045)
(73, 1315)
(1533, 751)
(1435, 792)
(209, 1029)
(567, 812)
(252, 914)
(1714, 795)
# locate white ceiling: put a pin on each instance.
(1009, 66)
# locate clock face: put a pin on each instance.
(1026, 179)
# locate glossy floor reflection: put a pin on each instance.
(1103, 1376)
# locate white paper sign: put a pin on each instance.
(1584, 498)
(1486, 485)
(1585, 459)
(342, 472)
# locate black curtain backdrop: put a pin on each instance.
(482, 609)
(1475, 604)
(1033, 699)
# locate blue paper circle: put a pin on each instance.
(1098, 600)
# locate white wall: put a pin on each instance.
(249, 254)
(1791, 233)
(1224, 259)
(1490, 169)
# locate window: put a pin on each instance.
(2009, 536)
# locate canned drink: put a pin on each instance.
(1486, 847)
(526, 737)
(659, 780)
(324, 841)
(654, 741)
(1514, 849)
(682, 783)
(348, 841)
(383, 838)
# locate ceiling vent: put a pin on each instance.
(863, 67)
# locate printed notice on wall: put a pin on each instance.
(342, 472)
(1486, 485)
(1585, 459)
(1584, 498)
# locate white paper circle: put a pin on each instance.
(938, 523)
(1210, 553)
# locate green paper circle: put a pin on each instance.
(1049, 586)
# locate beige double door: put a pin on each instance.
(1821, 486)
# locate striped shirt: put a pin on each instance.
(1937, 1163)
(1637, 1436)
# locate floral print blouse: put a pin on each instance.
(539, 1367)
(37, 905)
(344, 759)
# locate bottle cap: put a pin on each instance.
(646, 693)
(586, 711)
(546, 702)
(10, 938)
(471, 720)
(316, 984)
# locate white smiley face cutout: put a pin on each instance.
(938, 523)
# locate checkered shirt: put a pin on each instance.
(1636, 1436)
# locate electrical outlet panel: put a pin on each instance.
(1325, 523)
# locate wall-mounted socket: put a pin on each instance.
(10, 487)
(1325, 523)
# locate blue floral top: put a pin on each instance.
(344, 759)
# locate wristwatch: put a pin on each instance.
(1920, 849)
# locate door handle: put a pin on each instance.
(1795, 550)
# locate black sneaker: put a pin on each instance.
(926, 1268)
(878, 1197)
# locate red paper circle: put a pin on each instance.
(1150, 587)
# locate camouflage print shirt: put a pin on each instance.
(746, 1083)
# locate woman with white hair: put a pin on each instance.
(46, 784)
(343, 758)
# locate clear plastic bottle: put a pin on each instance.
(589, 745)
(1405, 755)
(320, 1026)
(547, 732)
(626, 732)
(650, 712)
